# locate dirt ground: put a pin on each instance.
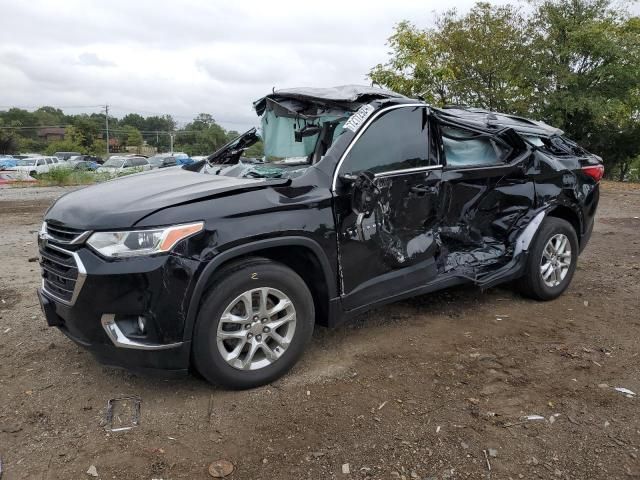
(417, 389)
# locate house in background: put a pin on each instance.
(51, 134)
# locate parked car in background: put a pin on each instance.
(164, 160)
(66, 155)
(36, 165)
(86, 158)
(121, 164)
(6, 162)
(8, 178)
(82, 164)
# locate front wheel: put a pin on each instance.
(552, 260)
(253, 325)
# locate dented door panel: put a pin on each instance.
(480, 210)
(393, 249)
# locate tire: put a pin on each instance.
(534, 284)
(254, 275)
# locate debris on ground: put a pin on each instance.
(493, 452)
(221, 469)
(625, 391)
(486, 457)
(345, 468)
(533, 418)
(131, 403)
(92, 471)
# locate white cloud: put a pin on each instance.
(191, 56)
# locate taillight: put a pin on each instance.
(594, 171)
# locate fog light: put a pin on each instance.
(142, 325)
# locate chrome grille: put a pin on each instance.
(62, 272)
(64, 234)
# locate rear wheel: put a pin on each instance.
(253, 325)
(552, 260)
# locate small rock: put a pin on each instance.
(414, 474)
(493, 452)
(308, 393)
(33, 259)
(464, 445)
(265, 461)
(534, 460)
(93, 472)
(586, 303)
(221, 468)
(345, 468)
(603, 385)
(557, 473)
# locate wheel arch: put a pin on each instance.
(303, 255)
(568, 214)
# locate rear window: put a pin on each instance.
(463, 148)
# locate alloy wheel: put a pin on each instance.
(256, 328)
(556, 260)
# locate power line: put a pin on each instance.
(111, 130)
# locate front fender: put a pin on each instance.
(246, 249)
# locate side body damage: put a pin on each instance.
(367, 195)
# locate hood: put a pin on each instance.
(122, 202)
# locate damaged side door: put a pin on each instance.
(387, 203)
(488, 197)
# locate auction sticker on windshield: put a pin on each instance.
(358, 118)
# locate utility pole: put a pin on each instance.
(106, 119)
(171, 141)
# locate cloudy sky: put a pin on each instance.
(190, 56)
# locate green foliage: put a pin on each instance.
(572, 63)
(130, 136)
(255, 151)
(63, 146)
(201, 137)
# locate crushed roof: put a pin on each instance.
(484, 118)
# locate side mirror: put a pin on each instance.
(365, 194)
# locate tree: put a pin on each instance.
(135, 120)
(572, 63)
(201, 137)
(589, 76)
(130, 136)
(478, 59)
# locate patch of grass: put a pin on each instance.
(65, 176)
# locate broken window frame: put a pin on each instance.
(502, 149)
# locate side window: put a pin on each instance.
(396, 140)
(463, 148)
(128, 163)
(139, 162)
(48, 160)
(40, 162)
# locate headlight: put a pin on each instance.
(141, 242)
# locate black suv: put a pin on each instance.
(364, 197)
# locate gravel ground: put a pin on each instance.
(419, 389)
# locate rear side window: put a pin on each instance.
(396, 140)
(139, 162)
(463, 148)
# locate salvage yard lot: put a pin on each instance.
(416, 389)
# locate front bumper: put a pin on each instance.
(108, 294)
